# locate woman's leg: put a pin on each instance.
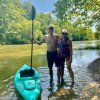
(62, 74)
(62, 68)
(58, 74)
(68, 62)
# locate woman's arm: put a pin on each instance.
(71, 50)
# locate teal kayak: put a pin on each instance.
(27, 82)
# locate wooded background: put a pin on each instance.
(77, 16)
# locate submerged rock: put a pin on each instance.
(91, 92)
(94, 69)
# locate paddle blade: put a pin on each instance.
(33, 12)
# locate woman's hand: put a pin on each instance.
(71, 59)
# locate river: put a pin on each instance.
(81, 60)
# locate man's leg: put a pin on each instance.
(70, 69)
(50, 65)
(51, 73)
(57, 62)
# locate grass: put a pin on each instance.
(12, 57)
(92, 48)
(97, 47)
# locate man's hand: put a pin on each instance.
(33, 37)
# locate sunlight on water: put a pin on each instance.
(83, 81)
(81, 59)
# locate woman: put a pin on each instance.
(65, 54)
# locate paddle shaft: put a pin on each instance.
(32, 36)
(32, 45)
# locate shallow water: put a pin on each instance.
(81, 59)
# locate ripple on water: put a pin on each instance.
(82, 78)
(82, 90)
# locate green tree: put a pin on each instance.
(11, 12)
(27, 6)
(87, 11)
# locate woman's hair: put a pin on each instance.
(64, 31)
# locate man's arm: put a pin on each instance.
(39, 42)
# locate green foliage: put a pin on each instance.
(85, 33)
(45, 19)
(97, 35)
(79, 12)
(16, 23)
(28, 10)
(11, 13)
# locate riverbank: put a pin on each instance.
(94, 69)
(94, 45)
(92, 90)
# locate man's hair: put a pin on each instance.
(51, 26)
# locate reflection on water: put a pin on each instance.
(82, 44)
(81, 59)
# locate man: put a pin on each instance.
(51, 40)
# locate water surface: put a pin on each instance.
(81, 60)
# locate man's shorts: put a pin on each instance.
(52, 57)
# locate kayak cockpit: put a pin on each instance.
(27, 73)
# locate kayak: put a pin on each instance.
(27, 82)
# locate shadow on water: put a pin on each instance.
(51, 91)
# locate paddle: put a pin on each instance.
(33, 16)
(30, 73)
